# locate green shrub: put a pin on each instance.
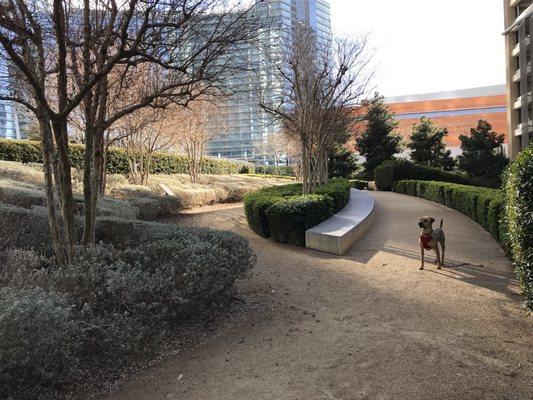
(161, 163)
(281, 170)
(483, 205)
(40, 343)
(518, 212)
(281, 212)
(392, 171)
(113, 302)
(359, 184)
(289, 219)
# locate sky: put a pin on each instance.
(426, 46)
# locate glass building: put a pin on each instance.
(12, 121)
(248, 126)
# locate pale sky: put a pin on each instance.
(428, 45)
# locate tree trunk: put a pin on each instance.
(64, 180)
(48, 150)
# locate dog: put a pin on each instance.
(432, 239)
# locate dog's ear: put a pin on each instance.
(431, 220)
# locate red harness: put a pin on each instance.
(425, 239)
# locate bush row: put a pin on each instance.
(359, 184)
(162, 163)
(518, 218)
(283, 213)
(113, 302)
(282, 170)
(393, 171)
(483, 205)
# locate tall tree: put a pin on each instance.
(483, 155)
(324, 82)
(378, 142)
(428, 147)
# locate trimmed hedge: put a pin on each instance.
(162, 163)
(392, 171)
(281, 212)
(281, 170)
(518, 218)
(359, 184)
(483, 205)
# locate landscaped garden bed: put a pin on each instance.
(112, 304)
(284, 214)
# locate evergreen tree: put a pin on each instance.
(342, 162)
(482, 156)
(378, 142)
(428, 147)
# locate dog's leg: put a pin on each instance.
(421, 257)
(442, 248)
(438, 256)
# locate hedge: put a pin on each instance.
(483, 205)
(282, 170)
(518, 218)
(359, 184)
(162, 163)
(282, 213)
(392, 171)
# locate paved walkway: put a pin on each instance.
(367, 325)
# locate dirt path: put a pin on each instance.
(368, 325)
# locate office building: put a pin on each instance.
(12, 120)
(518, 16)
(248, 126)
(458, 111)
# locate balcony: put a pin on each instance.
(517, 75)
(522, 100)
(520, 128)
(516, 50)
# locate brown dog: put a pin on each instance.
(430, 239)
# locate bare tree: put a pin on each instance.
(324, 81)
(144, 133)
(195, 126)
(64, 54)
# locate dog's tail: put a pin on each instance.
(441, 221)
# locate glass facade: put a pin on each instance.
(248, 126)
(11, 126)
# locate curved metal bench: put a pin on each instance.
(339, 233)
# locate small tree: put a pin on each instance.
(193, 127)
(378, 142)
(483, 156)
(428, 147)
(342, 162)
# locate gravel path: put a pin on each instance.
(367, 325)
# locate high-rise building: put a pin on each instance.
(248, 126)
(13, 117)
(519, 53)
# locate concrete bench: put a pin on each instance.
(339, 233)
(166, 189)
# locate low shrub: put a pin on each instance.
(359, 184)
(280, 170)
(40, 343)
(518, 218)
(483, 205)
(289, 219)
(281, 212)
(392, 171)
(115, 301)
(162, 163)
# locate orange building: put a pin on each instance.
(458, 111)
